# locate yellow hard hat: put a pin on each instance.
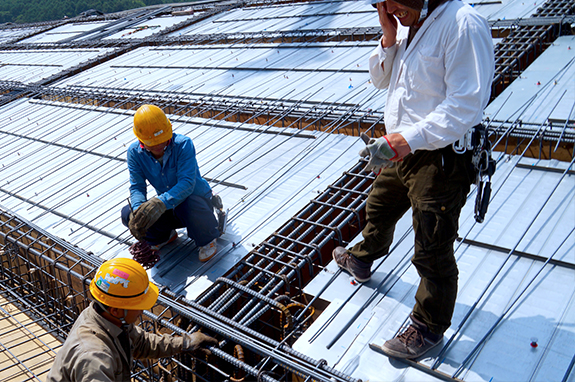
(151, 125)
(123, 283)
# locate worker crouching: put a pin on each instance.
(184, 199)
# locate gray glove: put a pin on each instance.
(198, 341)
(379, 152)
(145, 216)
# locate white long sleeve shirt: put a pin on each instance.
(440, 84)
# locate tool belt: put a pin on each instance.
(476, 139)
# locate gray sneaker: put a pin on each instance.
(357, 268)
(414, 342)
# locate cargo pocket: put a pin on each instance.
(435, 223)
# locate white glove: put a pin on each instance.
(379, 152)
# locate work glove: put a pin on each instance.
(145, 216)
(139, 235)
(198, 341)
(379, 152)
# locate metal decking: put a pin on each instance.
(513, 286)
(263, 102)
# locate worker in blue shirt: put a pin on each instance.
(184, 199)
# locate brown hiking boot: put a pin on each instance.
(414, 342)
(357, 268)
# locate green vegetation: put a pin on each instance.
(26, 11)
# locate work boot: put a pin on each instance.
(208, 251)
(173, 236)
(414, 342)
(357, 268)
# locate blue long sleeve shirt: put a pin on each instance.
(174, 179)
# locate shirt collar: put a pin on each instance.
(167, 149)
(104, 323)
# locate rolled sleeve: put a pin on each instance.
(380, 65)
(151, 345)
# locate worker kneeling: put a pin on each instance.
(168, 161)
(104, 339)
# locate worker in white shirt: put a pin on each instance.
(437, 61)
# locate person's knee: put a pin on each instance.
(193, 203)
(431, 264)
(195, 212)
(125, 214)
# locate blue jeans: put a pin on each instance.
(195, 213)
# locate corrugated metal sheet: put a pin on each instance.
(63, 32)
(7, 35)
(532, 212)
(324, 72)
(289, 17)
(63, 168)
(30, 66)
(506, 9)
(61, 163)
(148, 28)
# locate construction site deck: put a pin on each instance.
(274, 95)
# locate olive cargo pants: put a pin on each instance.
(435, 185)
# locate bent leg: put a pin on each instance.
(196, 214)
(387, 202)
(160, 231)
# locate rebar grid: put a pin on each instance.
(517, 51)
(523, 45)
(303, 114)
(283, 264)
(555, 8)
(264, 292)
(47, 279)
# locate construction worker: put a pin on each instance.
(104, 339)
(184, 199)
(438, 67)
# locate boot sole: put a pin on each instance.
(354, 276)
(395, 354)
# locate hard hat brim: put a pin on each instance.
(150, 298)
(144, 302)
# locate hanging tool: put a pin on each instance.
(484, 166)
(222, 214)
